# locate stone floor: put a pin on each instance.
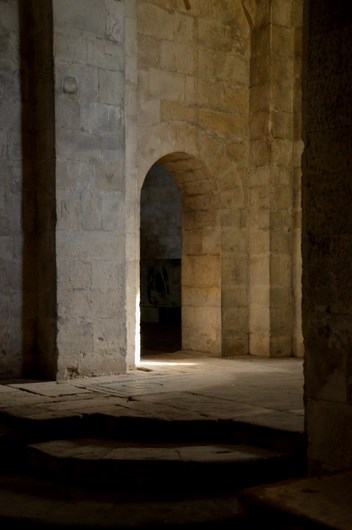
(176, 386)
(260, 392)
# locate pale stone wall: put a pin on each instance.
(89, 62)
(327, 233)
(193, 77)
(274, 281)
(11, 241)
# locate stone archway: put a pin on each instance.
(201, 266)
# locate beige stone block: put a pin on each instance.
(74, 304)
(260, 125)
(282, 152)
(173, 110)
(282, 12)
(259, 220)
(85, 245)
(112, 211)
(104, 54)
(201, 297)
(282, 40)
(281, 346)
(281, 197)
(210, 242)
(280, 242)
(280, 270)
(106, 275)
(259, 295)
(261, 71)
(234, 98)
(210, 93)
(259, 319)
(234, 297)
(192, 242)
(259, 270)
(235, 319)
(156, 21)
(260, 153)
(149, 112)
(234, 270)
(199, 187)
(206, 271)
(259, 197)
(177, 58)
(222, 123)
(74, 336)
(260, 97)
(191, 93)
(205, 64)
(148, 51)
(233, 346)
(259, 344)
(234, 241)
(109, 177)
(261, 41)
(109, 335)
(281, 300)
(166, 85)
(282, 71)
(282, 97)
(233, 67)
(281, 125)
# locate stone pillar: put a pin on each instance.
(271, 170)
(327, 234)
(89, 70)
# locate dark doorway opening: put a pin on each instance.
(160, 263)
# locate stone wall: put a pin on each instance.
(193, 76)
(327, 233)
(89, 67)
(11, 240)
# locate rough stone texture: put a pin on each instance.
(274, 204)
(327, 227)
(90, 200)
(11, 239)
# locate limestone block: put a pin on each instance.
(86, 78)
(70, 45)
(223, 123)
(234, 98)
(75, 303)
(150, 16)
(280, 242)
(91, 210)
(108, 336)
(259, 343)
(111, 87)
(259, 220)
(234, 67)
(260, 152)
(192, 242)
(234, 241)
(72, 175)
(106, 304)
(77, 145)
(261, 40)
(210, 242)
(68, 113)
(113, 210)
(259, 319)
(84, 15)
(79, 244)
(109, 176)
(235, 270)
(235, 319)
(280, 270)
(282, 152)
(185, 28)
(166, 85)
(106, 275)
(68, 210)
(282, 12)
(148, 51)
(282, 71)
(112, 148)
(259, 271)
(74, 274)
(260, 295)
(281, 125)
(282, 96)
(104, 54)
(234, 297)
(114, 18)
(149, 112)
(191, 94)
(282, 40)
(177, 58)
(260, 97)
(205, 64)
(281, 346)
(200, 296)
(261, 70)
(233, 345)
(259, 197)
(74, 336)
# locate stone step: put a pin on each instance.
(121, 464)
(35, 503)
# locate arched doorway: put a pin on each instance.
(200, 296)
(160, 263)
